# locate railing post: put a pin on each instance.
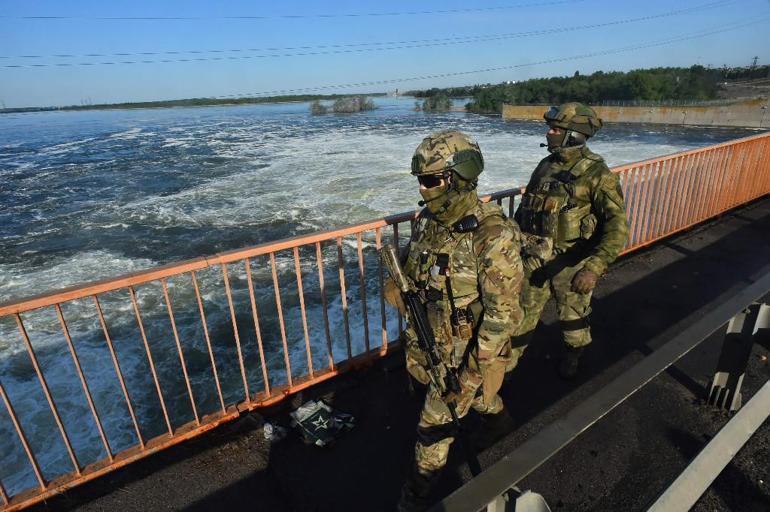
(324, 302)
(4, 494)
(397, 246)
(47, 393)
(179, 351)
(742, 331)
(83, 382)
(281, 323)
(344, 295)
(668, 181)
(635, 184)
(257, 328)
(155, 379)
(362, 290)
(23, 438)
(301, 293)
(381, 282)
(676, 205)
(118, 371)
(208, 341)
(236, 334)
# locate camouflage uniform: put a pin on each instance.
(469, 276)
(485, 273)
(575, 203)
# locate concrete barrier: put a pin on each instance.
(746, 114)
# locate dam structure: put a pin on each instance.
(750, 113)
(699, 222)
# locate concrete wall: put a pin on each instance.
(748, 114)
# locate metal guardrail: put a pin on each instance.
(515, 466)
(706, 467)
(663, 195)
(669, 194)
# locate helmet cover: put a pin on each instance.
(446, 151)
(574, 116)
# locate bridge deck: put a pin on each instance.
(621, 463)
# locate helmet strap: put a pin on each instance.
(573, 138)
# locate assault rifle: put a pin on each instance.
(443, 377)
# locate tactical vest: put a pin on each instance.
(558, 205)
(443, 267)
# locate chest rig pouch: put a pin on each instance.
(442, 266)
(557, 209)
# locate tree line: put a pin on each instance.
(696, 83)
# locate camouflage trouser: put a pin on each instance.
(573, 308)
(435, 429)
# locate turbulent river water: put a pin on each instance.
(89, 195)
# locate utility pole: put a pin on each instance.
(754, 64)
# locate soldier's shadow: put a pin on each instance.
(643, 296)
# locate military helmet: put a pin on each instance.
(446, 151)
(574, 116)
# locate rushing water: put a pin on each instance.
(88, 195)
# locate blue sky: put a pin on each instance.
(329, 23)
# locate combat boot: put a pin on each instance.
(570, 361)
(493, 428)
(415, 494)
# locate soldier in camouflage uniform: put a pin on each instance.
(464, 258)
(574, 224)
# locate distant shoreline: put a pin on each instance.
(192, 102)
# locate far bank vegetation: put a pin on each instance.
(696, 83)
(438, 102)
(346, 105)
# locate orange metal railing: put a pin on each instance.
(669, 194)
(663, 196)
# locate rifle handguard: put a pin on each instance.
(390, 259)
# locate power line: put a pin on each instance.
(459, 39)
(724, 28)
(349, 47)
(297, 16)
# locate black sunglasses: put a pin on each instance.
(430, 180)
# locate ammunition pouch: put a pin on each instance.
(462, 323)
(553, 210)
(568, 222)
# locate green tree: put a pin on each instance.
(437, 103)
(317, 109)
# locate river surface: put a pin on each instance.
(89, 195)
